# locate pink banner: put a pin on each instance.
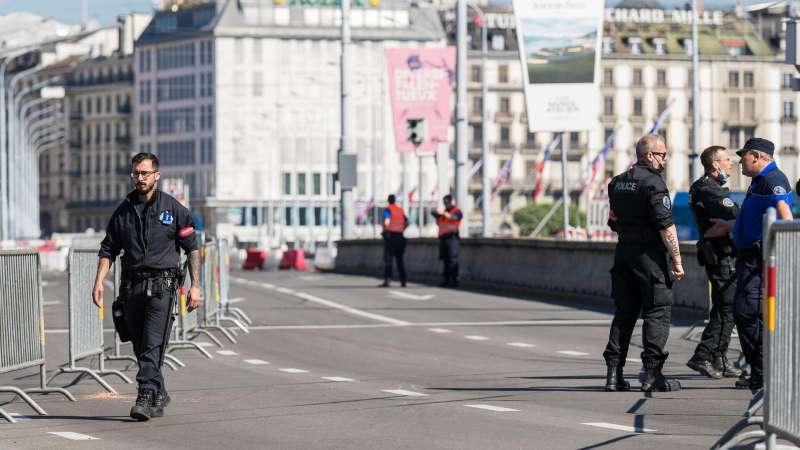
(421, 84)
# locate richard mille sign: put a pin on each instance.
(676, 16)
(356, 3)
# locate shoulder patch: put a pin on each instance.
(779, 190)
(666, 202)
(728, 203)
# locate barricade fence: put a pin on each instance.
(211, 305)
(227, 313)
(22, 338)
(186, 324)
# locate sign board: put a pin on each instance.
(421, 84)
(559, 43)
(176, 188)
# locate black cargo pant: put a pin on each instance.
(641, 283)
(747, 311)
(717, 334)
(449, 247)
(394, 248)
(149, 319)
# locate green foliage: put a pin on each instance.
(528, 218)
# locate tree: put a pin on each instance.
(528, 218)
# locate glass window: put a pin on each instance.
(502, 74)
(747, 79)
(303, 213)
(661, 77)
(318, 216)
(637, 77)
(477, 105)
(733, 107)
(317, 183)
(475, 73)
(733, 80)
(788, 109)
(661, 104)
(608, 105)
(787, 80)
(608, 77)
(287, 216)
(477, 136)
(637, 106)
(287, 183)
(505, 136)
(301, 184)
(505, 105)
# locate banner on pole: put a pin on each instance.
(421, 84)
(559, 43)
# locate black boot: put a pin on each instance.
(615, 381)
(726, 367)
(384, 284)
(654, 380)
(142, 409)
(160, 401)
(704, 367)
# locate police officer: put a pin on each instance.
(642, 275)
(151, 227)
(708, 200)
(769, 188)
(394, 243)
(449, 222)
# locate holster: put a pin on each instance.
(706, 256)
(118, 315)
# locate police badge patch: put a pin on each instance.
(779, 190)
(666, 202)
(728, 203)
(165, 217)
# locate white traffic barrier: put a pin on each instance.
(22, 324)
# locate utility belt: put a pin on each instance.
(752, 252)
(710, 254)
(149, 274)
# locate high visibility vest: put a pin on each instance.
(397, 220)
(448, 226)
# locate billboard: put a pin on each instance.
(421, 84)
(176, 188)
(559, 43)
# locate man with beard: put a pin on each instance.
(151, 227)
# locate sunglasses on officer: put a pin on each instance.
(143, 174)
(663, 155)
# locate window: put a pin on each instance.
(287, 183)
(661, 78)
(316, 182)
(303, 213)
(475, 73)
(788, 109)
(505, 136)
(287, 216)
(498, 42)
(574, 140)
(661, 104)
(176, 88)
(175, 56)
(608, 77)
(530, 140)
(502, 74)
(318, 216)
(145, 125)
(145, 95)
(733, 134)
(608, 105)
(608, 45)
(733, 80)
(477, 136)
(637, 77)
(169, 121)
(176, 153)
(637, 106)
(505, 105)
(607, 133)
(750, 108)
(787, 80)
(733, 107)
(747, 80)
(301, 184)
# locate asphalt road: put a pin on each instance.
(333, 361)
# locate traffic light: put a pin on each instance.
(415, 131)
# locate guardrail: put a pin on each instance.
(86, 321)
(22, 324)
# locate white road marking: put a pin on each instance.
(353, 311)
(311, 277)
(492, 408)
(321, 327)
(613, 426)
(226, 352)
(572, 353)
(44, 284)
(285, 291)
(440, 330)
(634, 360)
(405, 393)
(236, 300)
(291, 370)
(73, 436)
(476, 338)
(256, 362)
(521, 344)
(421, 324)
(405, 295)
(51, 302)
(267, 285)
(338, 379)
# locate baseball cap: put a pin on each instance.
(762, 145)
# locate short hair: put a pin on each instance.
(143, 157)
(708, 155)
(392, 198)
(647, 144)
(447, 197)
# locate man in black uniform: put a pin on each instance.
(642, 276)
(151, 227)
(709, 200)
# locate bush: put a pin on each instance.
(528, 218)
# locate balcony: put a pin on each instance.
(504, 117)
(789, 119)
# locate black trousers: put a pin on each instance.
(717, 334)
(449, 247)
(747, 312)
(394, 248)
(641, 283)
(149, 319)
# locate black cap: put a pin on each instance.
(762, 145)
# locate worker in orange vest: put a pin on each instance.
(394, 243)
(449, 221)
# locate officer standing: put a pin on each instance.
(151, 227)
(449, 222)
(709, 200)
(642, 276)
(769, 188)
(394, 243)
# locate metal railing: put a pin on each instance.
(229, 313)
(86, 321)
(185, 325)
(22, 324)
(212, 302)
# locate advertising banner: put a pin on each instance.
(421, 84)
(176, 188)
(559, 43)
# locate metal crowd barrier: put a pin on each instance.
(186, 324)
(780, 307)
(211, 305)
(22, 324)
(228, 313)
(86, 321)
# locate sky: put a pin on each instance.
(69, 11)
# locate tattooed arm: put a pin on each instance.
(670, 237)
(194, 272)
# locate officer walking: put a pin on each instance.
(449, 222)
(642, 276)
(708, 200)
(394, 243)
(151, 227)
(769, 188)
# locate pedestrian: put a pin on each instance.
(647, 261)
(151, 227)
(709, 200)
(449, 222)
(394, 243)
(769, 188)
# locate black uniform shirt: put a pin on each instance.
(640, 204)
(151, 240)
(709, 200)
